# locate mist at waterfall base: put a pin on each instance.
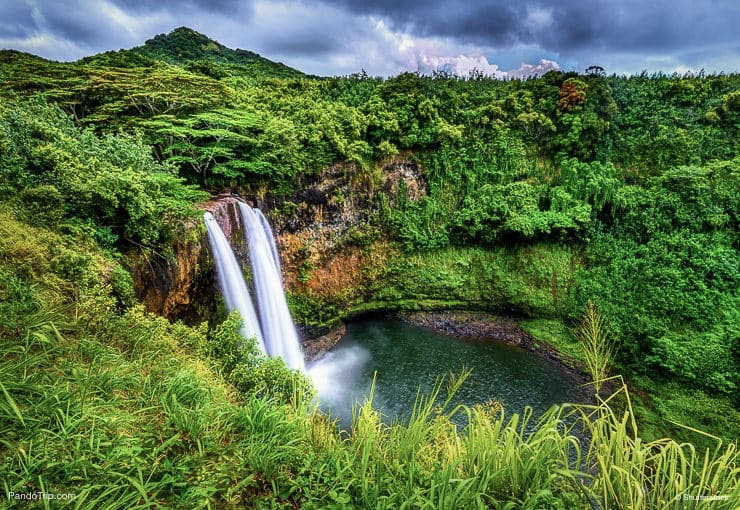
(405, 359)
(274, 330)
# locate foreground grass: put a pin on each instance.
(137, 418)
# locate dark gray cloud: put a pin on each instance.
(493, 24)
(63, 20)
(92, 23)
(312, 44)
(226, 7)
(67, 21)
(16, 19)
(389, 36)
(563, 25)
(304, 30)
(495, 21)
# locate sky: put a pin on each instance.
(504, 38)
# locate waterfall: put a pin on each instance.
(231, 280)
(278, 331)
(274, 330)
(270, 237)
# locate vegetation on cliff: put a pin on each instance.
(537, 197)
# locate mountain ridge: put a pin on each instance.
(183, 46)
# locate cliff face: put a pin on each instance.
(326, 233)
(330, 239)
(335, 216)
(182, 286)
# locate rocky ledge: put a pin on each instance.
(179, 285)
(486, 326)
(315, 347)
(477, 325)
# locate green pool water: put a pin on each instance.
(406, 359)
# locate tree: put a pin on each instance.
(572, 94)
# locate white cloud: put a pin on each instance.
(460, 65)
(393, 52)
(45, 44)
(529, 70)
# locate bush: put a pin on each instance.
(250, 370)
(61, 173)
(665, 273)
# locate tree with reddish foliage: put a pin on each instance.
(572, 94)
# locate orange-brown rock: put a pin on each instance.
(169, 285)
(329, 245)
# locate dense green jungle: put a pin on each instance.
(600, 210)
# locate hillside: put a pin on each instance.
(551, 200)
(184, 46)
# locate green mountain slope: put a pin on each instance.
(184, 46)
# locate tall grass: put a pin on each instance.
(598, 352)
(630, 473)
(139, 413)
(149, 426)
(576, 457)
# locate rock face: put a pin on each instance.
(315, 347)
(470, 325)
(325, 232)
(404, 174)
(182, 286)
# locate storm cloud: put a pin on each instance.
(385, 37)
(564, 25)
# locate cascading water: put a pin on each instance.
(271, 238)
(231, 281)
(278, 331)
(275, 332)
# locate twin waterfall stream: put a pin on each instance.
(271, 323)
